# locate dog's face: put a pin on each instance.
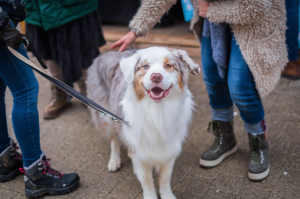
(157, 71)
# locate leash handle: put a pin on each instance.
(64, 86)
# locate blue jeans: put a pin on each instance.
(238, 87)
(291, 33)
(20, 79)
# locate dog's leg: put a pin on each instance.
(164, 180)
(115, 160)
(143, 172)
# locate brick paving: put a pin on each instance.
(75, 146)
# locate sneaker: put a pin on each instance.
(11, 163)
(41, 179)
(223, 146)
(259, 165)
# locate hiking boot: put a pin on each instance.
(11, 162)
(259, 165)
(41, 179)
(223, 146)
(58, 102)
(291, 71)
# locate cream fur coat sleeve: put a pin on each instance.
(150, 12)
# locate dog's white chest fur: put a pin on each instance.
(156, 130)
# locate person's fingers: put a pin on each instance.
(117, 44)
(125, 41)
(124, 46)
(19, 42)
(202, 14)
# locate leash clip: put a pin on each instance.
(25, 41)
(113, 118)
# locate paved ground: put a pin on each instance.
(75, 146)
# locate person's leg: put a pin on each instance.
(291, 70)
(23, 116)
(24, 87)
(222, 110)
(243, 91)
(81, 82)
(59, 98)
(216, 86)
(4, 138)
(54, 70)
(292, 23)
(10, 159)
(245, 95)
(40, 177)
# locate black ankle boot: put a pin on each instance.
(41, 179)
(223, 146)
(259, 165)
(10, 163)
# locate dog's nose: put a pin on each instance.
(156, 77)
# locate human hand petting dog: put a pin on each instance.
(130, 37)
(203, 7)
(125, 41)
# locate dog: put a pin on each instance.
(149, 89)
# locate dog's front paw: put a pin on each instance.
(149, 197)
(168, 196)
(114, 164)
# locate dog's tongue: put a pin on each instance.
(157, 93)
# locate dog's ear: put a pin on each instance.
(192, 65)
(128, 66)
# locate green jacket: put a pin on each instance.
(54, 13)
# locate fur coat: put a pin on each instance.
(258, 25)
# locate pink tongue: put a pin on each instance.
(157, 94)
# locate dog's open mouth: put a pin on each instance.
(158, 93)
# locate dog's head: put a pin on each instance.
(157, 71)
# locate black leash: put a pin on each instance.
(59, 83)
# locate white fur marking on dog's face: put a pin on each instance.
(158, 71)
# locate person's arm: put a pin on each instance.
(8, 33)
(150, 12)
(238, 11)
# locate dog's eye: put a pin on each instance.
(145, 66)
(168, 66)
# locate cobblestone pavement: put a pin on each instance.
(74, 145)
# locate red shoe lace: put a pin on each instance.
(15, 152)
(49, 170)
(22, 170)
